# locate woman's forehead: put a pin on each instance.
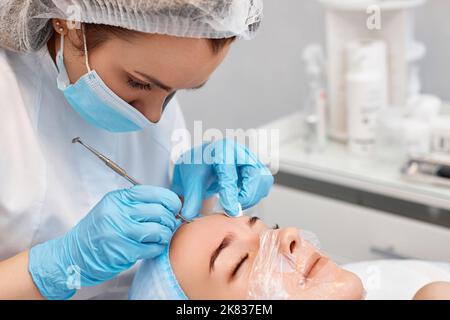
(193, 243)
(211, 228)
(204, 225)
(167, 55)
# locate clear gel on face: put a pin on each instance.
(279, 275)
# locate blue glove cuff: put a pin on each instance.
(52, 279)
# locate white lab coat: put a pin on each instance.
(47, 184)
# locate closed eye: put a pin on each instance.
(139, 85)
(238, 266)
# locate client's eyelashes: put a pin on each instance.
(239, 265)
(276, 227)
(138, 85)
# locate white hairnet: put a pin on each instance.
(24, 24)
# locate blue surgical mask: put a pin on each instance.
(95, 102)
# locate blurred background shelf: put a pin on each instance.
(336, 166)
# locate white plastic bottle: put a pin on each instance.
(366, 93)
(314, 109)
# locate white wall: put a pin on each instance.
(263, 79)
(433, 29)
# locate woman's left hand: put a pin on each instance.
(223, 167)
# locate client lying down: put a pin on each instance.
(216, 257)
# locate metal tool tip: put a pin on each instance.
(75, 140)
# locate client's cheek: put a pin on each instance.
(238, 289)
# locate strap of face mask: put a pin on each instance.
(85, 48)
(61, 45)
(84, 45)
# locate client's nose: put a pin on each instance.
(289, 240)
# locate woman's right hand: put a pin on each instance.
(125, 226)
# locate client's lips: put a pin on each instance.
(311, 262)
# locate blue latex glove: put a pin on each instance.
(223, 167)
(125, 226)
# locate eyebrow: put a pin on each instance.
(162, 85)
(224, 244)
(252, 221)
(155, 81)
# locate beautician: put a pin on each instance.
(107, 71)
